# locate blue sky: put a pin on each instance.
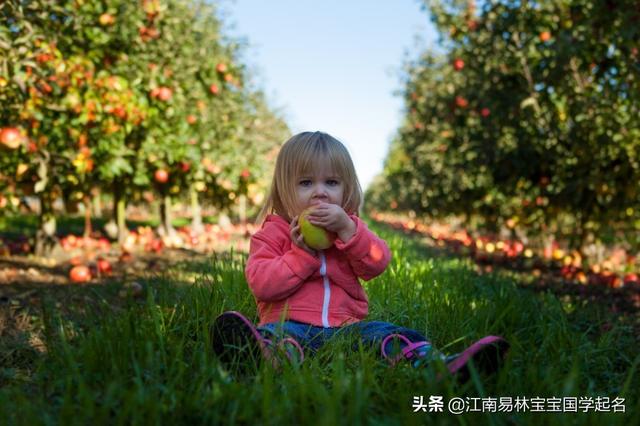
(333, 65)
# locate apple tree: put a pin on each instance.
(527, 116)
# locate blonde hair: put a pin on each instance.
(298, 157)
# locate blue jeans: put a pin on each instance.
(311, 337)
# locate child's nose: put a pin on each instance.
(319, 191)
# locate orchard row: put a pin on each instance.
(529, 122)
(126, 97)
(617, 270)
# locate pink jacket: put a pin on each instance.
(289, 283)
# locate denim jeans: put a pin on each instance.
(370, 333)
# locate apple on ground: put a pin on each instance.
(104, 267)
(80, 274)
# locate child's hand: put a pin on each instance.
(333, 218)
(296, 237)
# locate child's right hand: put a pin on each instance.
(296, 237)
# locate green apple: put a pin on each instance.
(314, 236)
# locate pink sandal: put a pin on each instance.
(237, 342)
(487, 354)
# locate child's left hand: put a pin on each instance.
(333, 218)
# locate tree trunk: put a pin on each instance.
(119, 211)
(121, 219)
(97, 203)
(45, 235)
(87, 217)
(166, 227)
(196, 212)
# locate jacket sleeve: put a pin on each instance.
(367, 253)
(273, 274)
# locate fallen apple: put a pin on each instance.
(314, 236)
(104, 267)
(80, 274)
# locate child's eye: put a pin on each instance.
(332, 182)
(305, 182)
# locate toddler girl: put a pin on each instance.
(306, 296)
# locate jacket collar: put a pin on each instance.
(276, 219)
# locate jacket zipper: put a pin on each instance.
(327, 291)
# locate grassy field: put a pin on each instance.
(148, 360)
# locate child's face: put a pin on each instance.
(323, 186)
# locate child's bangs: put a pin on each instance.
(317, 155)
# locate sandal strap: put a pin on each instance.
(390, 337)
(407, 352)
(295, 344)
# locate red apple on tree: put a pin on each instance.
(161, 176)
(214, 89)
(221, 67)
(461, 102)
(106, 19)
(458, 64)
(545, 36)
(164, 93)
(10, 137)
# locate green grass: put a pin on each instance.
(149, 362)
